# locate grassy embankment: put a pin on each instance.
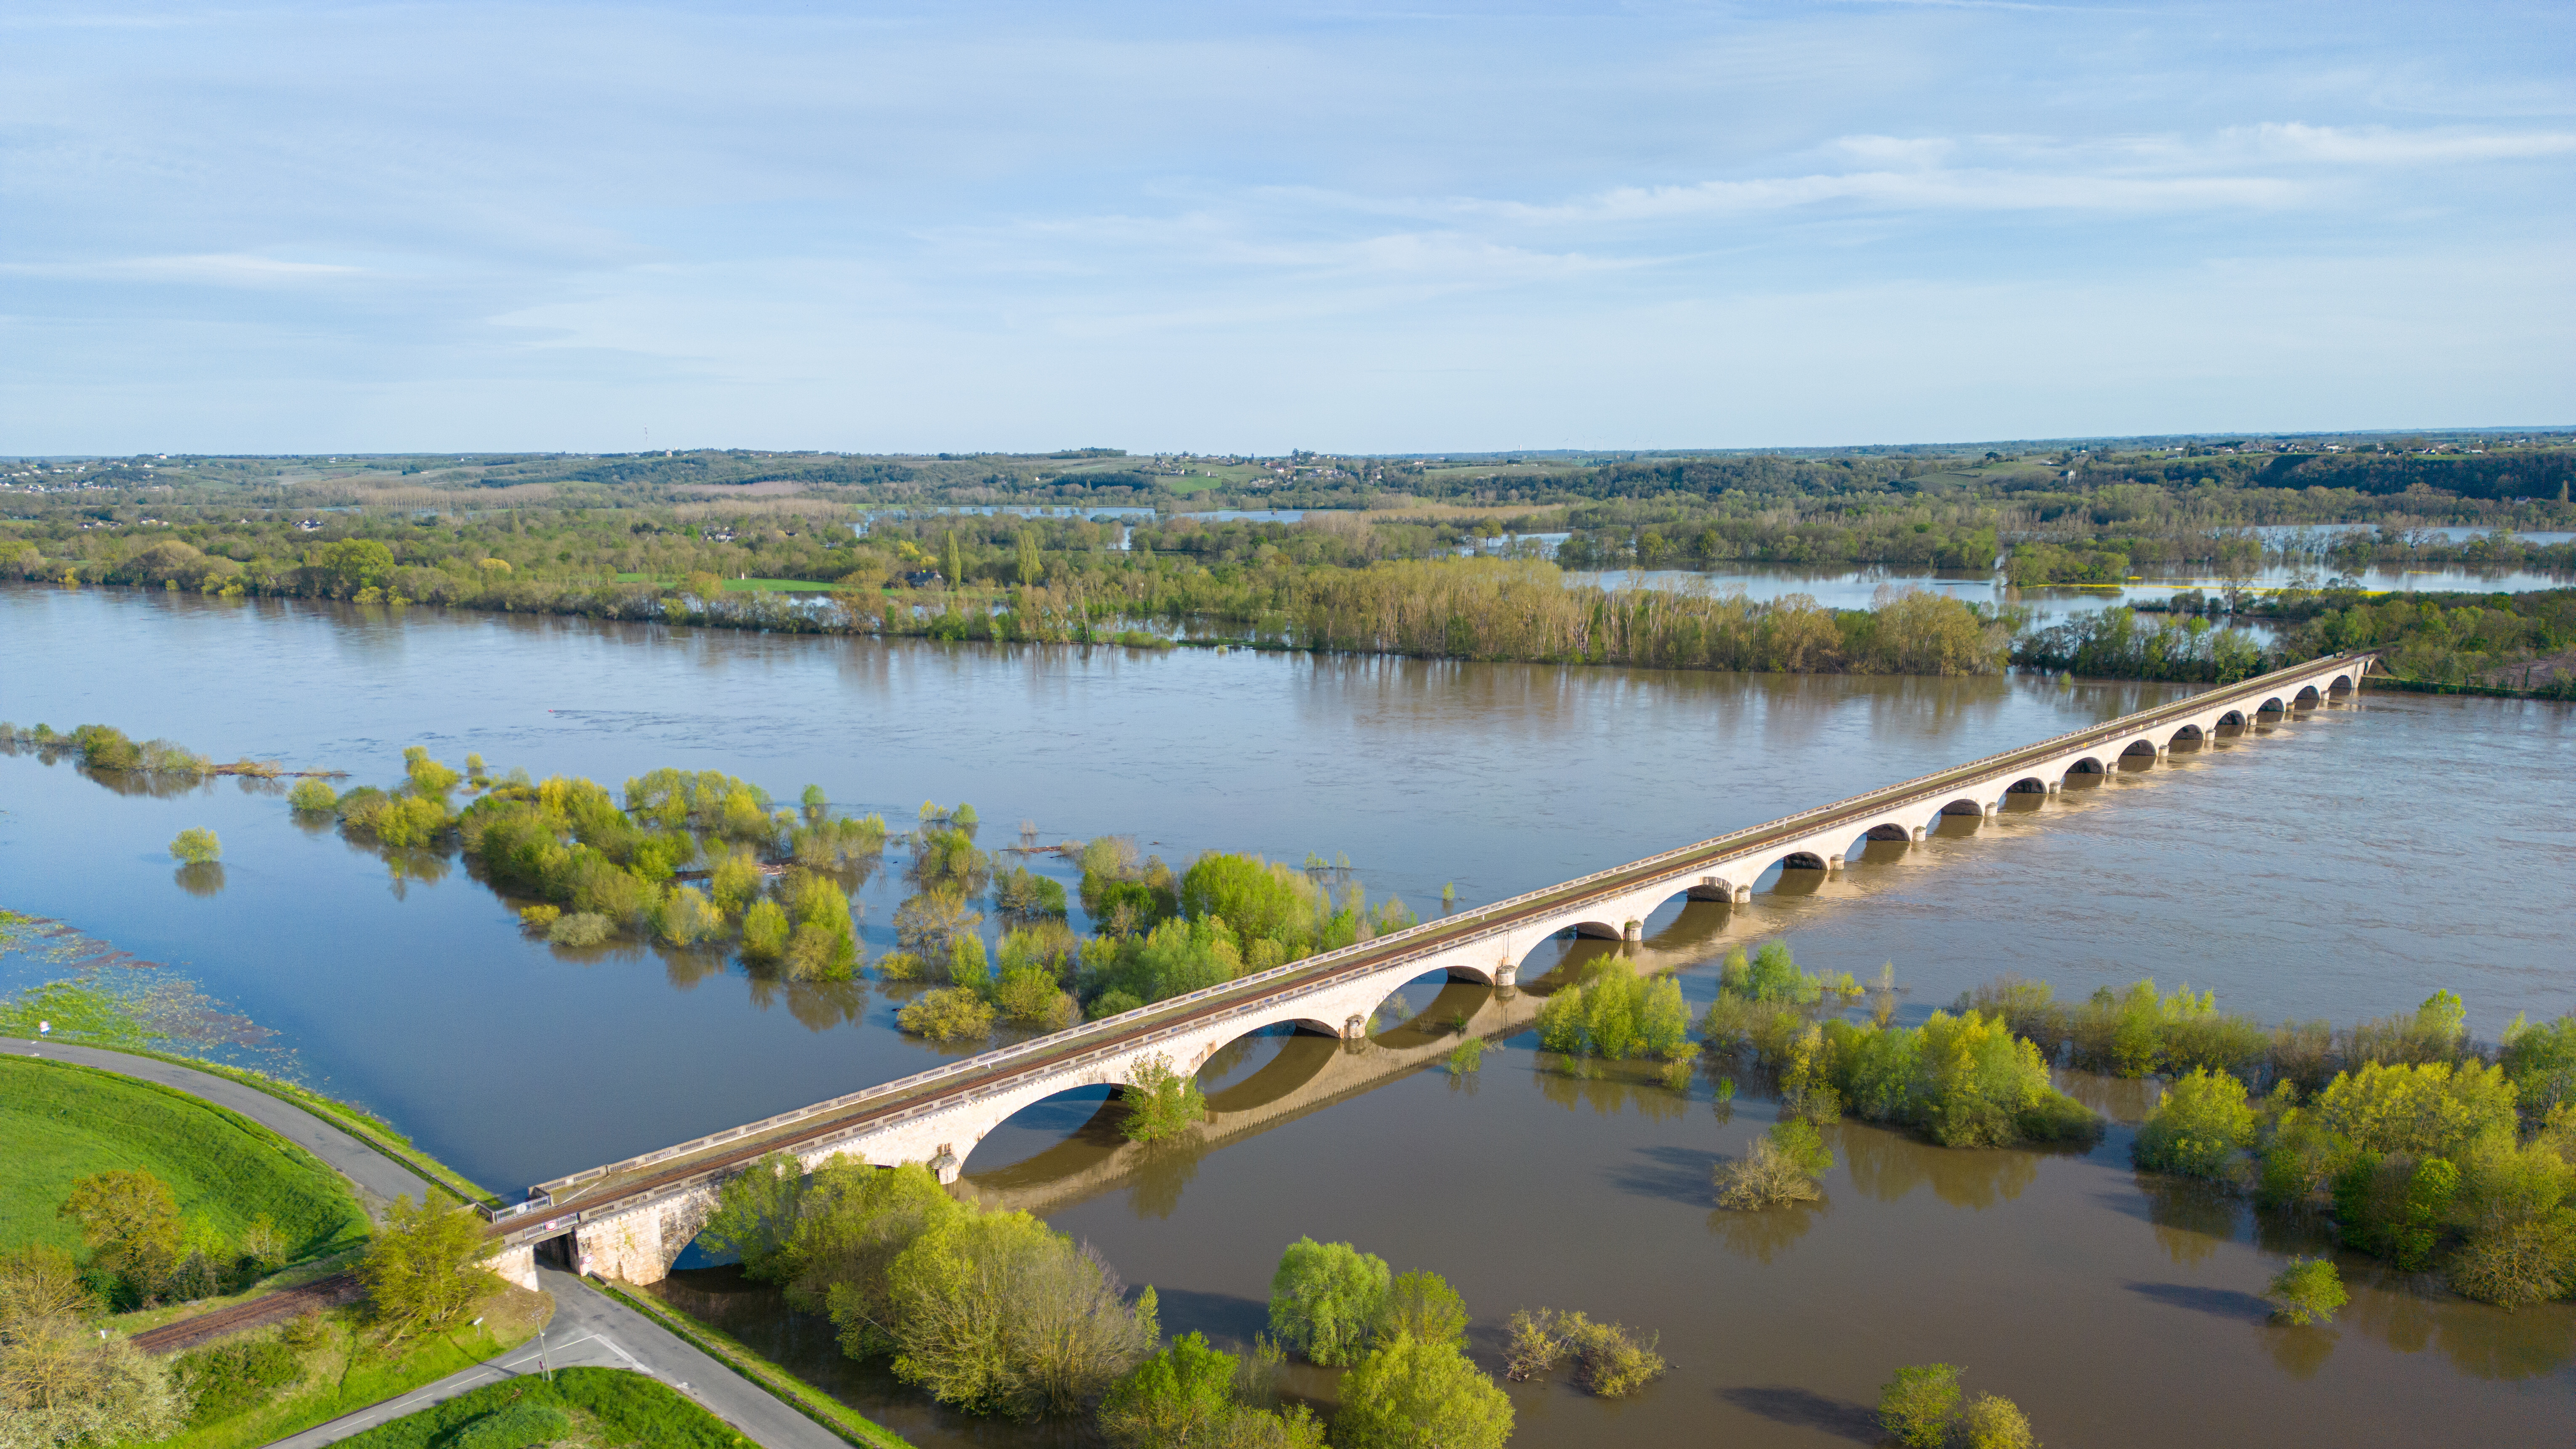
(86, 1015)
(63, 1122)
(599, 1408)
(714, 1342)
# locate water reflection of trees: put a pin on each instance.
(2191, 1218)
(1887, 1165)
(1162, 1171)
(1761, 1235)
(204, 878)
(2411, 1312)
(1608, 1088)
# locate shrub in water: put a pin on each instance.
(1916, 1407)
(948, 1014)
(1995, 1422)
(581, 928)
(196, 846)
(2198, 1128)
(2308, 1291)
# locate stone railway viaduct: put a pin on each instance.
(631, 1219)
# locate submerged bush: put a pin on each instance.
(1918, 1405)
(948, 1014)
(1766, 1176)
(2198, 1129)
(581, 928)
(2308, 1291)
(1992, 1421)
(196, 846)
(1161, 1103)
(1409, 1394)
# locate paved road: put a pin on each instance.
(591, 1329)
(378, 1175)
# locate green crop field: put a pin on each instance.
(60, 1123)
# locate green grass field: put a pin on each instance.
(608, 1408)
(60, 1123)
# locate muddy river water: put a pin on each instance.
(2343, 865)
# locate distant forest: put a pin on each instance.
(1432, 556)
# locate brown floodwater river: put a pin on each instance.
(2344, 865)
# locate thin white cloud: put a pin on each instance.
(2383, 146)
(1924, 190)
(219, 269)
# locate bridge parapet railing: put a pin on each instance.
(1437, 937)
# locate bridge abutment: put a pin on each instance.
(515, 1265)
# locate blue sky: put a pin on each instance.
(1215, 227)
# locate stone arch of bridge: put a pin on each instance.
(2307, 697)
(2233, 720)
(2189, 734)
(1962, 806)
(2274, 705)
(2341, 686)
(2027, 785)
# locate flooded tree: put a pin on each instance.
(1917, 1406)
(2308, 1291)
(1408, 1393)
(1325, 1297)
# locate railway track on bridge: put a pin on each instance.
(556, 1206)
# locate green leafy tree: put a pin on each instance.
(1421, 1303)
(2199, 1127)
(1324, 1297)
(1182, 1396)
(1919, 1404)
(1161, 1103)
(2308, 1291)
(2540, 1061)
(1413, 1395)
(756, 1213)
(197, 846)
(2417, 1109)
(765, 929)
(312, 797)
(419, 1269)
(1992, 1421)
(130, 1218)
(995, 1313)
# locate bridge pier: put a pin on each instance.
(1507, 974)
(945, 1166)
(1917, 833)
(2056, 787)
(1355, 1028)
(1633, 931)
(1744, 895)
